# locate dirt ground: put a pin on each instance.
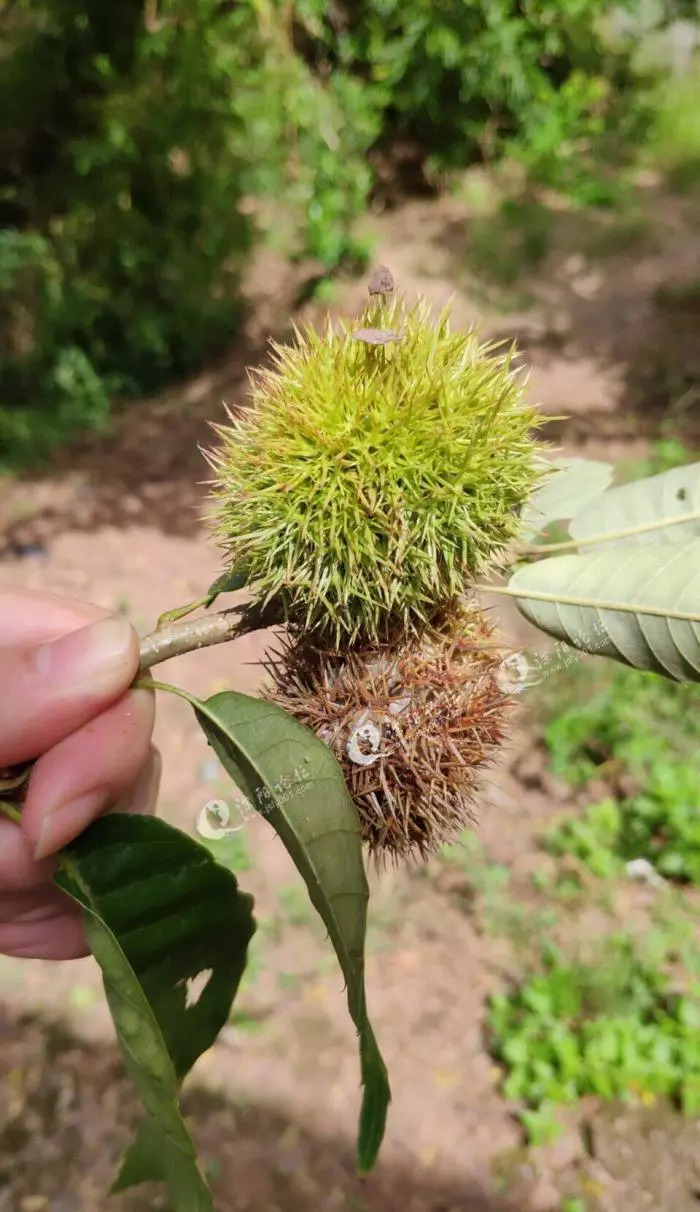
(117, 519)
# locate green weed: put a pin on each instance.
(644, 730)
(661, 824)
(613, 1027)
(634, 720)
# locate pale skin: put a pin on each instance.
(66, 669)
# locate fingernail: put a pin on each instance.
(90, 658)
(66, 821)
(38, 914)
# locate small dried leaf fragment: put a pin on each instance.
(382, 281)
(377, 336)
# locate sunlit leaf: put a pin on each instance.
(585, 589)
(294, 781)
(572, 484)
(672, 494)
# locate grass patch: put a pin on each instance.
(611, 1015)
(613, 1026)
(634, 721)
(640, 733)
(661, 825)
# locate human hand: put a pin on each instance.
(65, 672)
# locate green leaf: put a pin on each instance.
(166, 924)
(599, 603)
(653, 500)
(294, 781)
(230, 581)
(562, 495)
(179, 612)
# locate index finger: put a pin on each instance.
(29, 616)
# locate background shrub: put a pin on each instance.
(121, 261)
(545, 83)
(140, 137)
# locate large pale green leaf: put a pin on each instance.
(166, 924)
(672, 494)
(578, 595)
(564, 493)
(293, 779)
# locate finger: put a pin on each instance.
(54, 688)
(87, 773)
(54, 938)
(37, 905)
(18, 869)
(142, 796)
(29, 616)
(59, 938)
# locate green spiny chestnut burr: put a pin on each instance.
(370, 483)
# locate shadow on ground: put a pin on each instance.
(67, 1110)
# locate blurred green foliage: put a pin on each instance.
(614, 1027)
(644, 731)
(542, 82)
(145, 141)
(674, 142)
(661, 824)
(123, 245)
(631, 722)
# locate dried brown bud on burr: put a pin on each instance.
(377, 336)
(382, 281)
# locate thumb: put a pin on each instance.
(49, 690)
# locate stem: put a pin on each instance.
(151, 684)
(177, 638)
(562, 600)
(611, 536)
(11, 811)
